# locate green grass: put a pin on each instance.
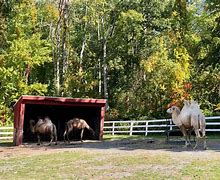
(110, 164)
(6, 143)
(76, 165)
(93, 165)
(119, 137)
(155, 136)
(201, 169)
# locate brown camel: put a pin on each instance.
(44, 127)
(188, 119)
(76, 123)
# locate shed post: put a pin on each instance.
(102, 123)
(19, 130)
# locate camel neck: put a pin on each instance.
(175, 118)
(32, 128)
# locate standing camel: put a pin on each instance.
(76, 123)
(44, 127)
(188, 119)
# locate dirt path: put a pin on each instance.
(143, 145)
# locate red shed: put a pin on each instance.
(60, 110)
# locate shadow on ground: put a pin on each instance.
(126, 144)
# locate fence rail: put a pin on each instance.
(133, 127)
(152, 126)
(6, 133)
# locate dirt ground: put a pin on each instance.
(139, 145)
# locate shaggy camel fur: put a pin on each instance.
(188, 119)
(76, 123)
(44, 127)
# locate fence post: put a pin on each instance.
(131, 128)
(113, 128)
(146, 128)
(171, 127)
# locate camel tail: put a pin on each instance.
(199, 123)
(66, 130)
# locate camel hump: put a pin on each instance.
(195, 105)
(47, 119)
(39, 122)
(32, 121)
(186, 102)
(75, 119)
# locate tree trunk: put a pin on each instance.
(60, 52)
(105, 73)
(83, 43)
(81, 53)
(64, 40)
(100, 64)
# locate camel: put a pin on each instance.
(188, 119)
(76, 123)
(196, 108)
(44, 127)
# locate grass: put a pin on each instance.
(210, 137)
(86, 165)
(201, 169)
(120, 137)
(6, 143)
(111, 164)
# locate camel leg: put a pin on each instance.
(183, 130)
(67, 135)
(204, 143)
(51, 139)
(54, 133)
(64, 134)
(38, 139)
(81, 136)
(55, 137)
(197, 138)
(204, 139)
(189, 136)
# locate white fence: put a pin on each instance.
(6, 133)
(152, 126)
(133, 127)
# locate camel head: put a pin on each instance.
(173, 109)
(32, 122)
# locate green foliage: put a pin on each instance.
(157, 53)
(25, 51)
(208, 96)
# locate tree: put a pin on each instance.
(24, 51)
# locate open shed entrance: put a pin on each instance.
(60, 110)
